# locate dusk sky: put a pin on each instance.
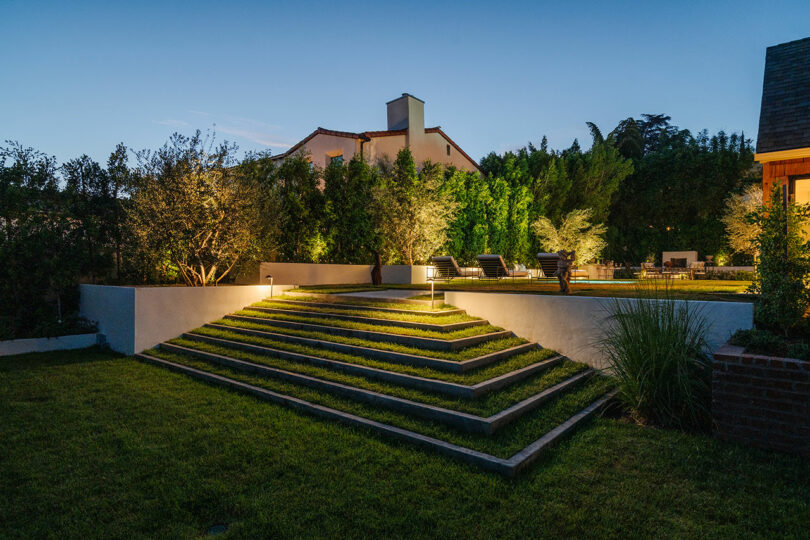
(79, 77)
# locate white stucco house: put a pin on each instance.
(406, 128)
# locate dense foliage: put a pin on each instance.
(191, 213)
(657, 350)
(783, 273)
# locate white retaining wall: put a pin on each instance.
(572, 325)
(137, 318)
(336, 274)
(58, 343)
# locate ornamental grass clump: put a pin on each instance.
(656, 348)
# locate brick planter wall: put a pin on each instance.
(761, 400)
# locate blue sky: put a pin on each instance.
(79, 77)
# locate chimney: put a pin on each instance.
(407, 112)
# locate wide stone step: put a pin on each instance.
(460, 420)
(432, 344)
(508, 467)
(430, 327)
(411, 381)
(344, 297)
(360, 307)
(384, 355)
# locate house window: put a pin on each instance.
(800, 189)
(448, 149)
(336, 160)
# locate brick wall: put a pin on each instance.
(762, 401)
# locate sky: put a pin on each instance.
(79, 77)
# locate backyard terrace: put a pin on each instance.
(721, 290)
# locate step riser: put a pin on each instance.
(403, 379)
(387, 356)
(369, 320)
(464, 421)
(376, 354)
(448, 389)
(460, 420)
(339, 298)
(506, 417)
(356, 307)
(411, 341)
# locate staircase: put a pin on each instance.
(437, 378)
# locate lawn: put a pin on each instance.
(698, 289)
(98, 445)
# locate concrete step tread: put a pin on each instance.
(449, 327)
(413, 381)
(508, 467)
(453, 366)
(361, 307)
(462, 420)
(416, 341)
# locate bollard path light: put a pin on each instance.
(271, 284)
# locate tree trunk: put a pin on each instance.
(376, 272)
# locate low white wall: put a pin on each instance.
(58, 343)
(137, 318)
(315, 274)
(336, 274)
(573, 325)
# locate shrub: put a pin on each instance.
(657, 350)
(784, 265)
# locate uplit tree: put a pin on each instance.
(575, 233)
(192, 206)
(741, 231)
(412, 212)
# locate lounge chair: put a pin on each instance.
(447, 268)
(548, 264)
(493, 267)
(697, 268)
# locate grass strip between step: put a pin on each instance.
(486, 405)
(469, 378)
(504, 443)
(360, 301)
(406, 317)
(466, 353)
(351, 325)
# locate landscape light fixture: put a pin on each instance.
(268, 276)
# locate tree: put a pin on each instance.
(783, 273)
(351, 237)
(301, 209)
(742, 232)
(575, 233)
(412, 212)
(192, 206)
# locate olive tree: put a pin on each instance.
(193, 208)
(741, 230)
(575, 233)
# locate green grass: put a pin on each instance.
(460, 355)
(699, 289)
(373, 303)
(409, 317)
(506, 442)
(483, 406)
(94, 445)
(351, 325)
(473, 376)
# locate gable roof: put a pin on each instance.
(784, 120)
(366, 135)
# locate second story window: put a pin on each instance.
(336, 160)
(448, 149)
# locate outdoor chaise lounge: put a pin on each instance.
(548, 264)
(447, 268)
(493, 267)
